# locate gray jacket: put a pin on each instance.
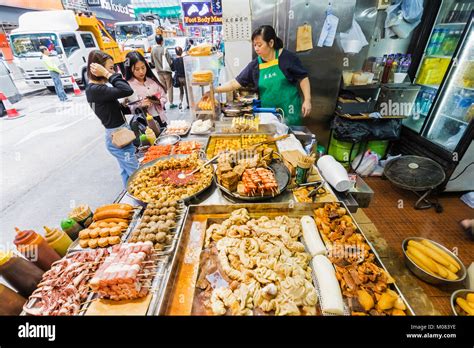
(157, 58)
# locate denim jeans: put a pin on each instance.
(58, 85)
(125, 156)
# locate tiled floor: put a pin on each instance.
(391, 211)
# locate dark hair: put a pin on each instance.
(178, 50)
(133, 58)
(159, 39)
(191, 41)
(99, 57)
(268, 33)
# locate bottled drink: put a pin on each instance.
(393, 70)
(387, 69)
(447, 45)
(379, 69)
(452, 14)
(459, 14)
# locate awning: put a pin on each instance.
(163, 12)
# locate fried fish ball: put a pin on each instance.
(156, 211)
(160, 237)
(141, 238)
(115, 231)
(94, 233)
(114, 240)
(142, 225)
(163, 228)
(162, 217)
(92, 243)
(169, 238)
(163, 211)
(84, 243)
(145, 230)
(150, 237)
(146, 218)
(159, 246)
(171, 216)
(103, 242)
(155, 218)
(133, 240)
(84, 234)
(172, 210)
(135, 233)
(150, 206)
(170, 223)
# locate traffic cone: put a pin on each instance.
(12, 113)
(77, 91)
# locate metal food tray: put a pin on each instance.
(256, 209)
(266, 128)
(137, 210)
(176, 231)
(282, 176)
(165, 132)
(237, 135)
(157, 286)
(149, 164)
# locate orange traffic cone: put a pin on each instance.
(12, 113)
(77, 91)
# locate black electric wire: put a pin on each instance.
(462, 172)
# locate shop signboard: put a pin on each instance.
(199, 13)
(113, 10)
(34, 5)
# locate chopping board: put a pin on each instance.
(129, 307)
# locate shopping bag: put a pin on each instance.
(412, 10)
(354, 39)
(365, 163)
(328, 33)
(304, 38)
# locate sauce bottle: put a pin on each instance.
(150, 135)
(71, 227)
(21, 274)
(58, 240)
(152, 124)
(35, 248)
(11, 303)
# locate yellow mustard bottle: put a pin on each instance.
(150, 135)
(57, 239)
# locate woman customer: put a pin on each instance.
(147, 89)
(180, 76)
(103, 91)
(277, 73)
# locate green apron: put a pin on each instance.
(277, 92)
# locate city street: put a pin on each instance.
(51, 160)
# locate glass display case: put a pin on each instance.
(453, 111)
(445, 36)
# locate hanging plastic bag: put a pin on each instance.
(412, 10)
(304, 38)
(328, 33)
(365, 163)
(354, 39)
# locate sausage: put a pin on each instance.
(115, 220)
(113, 213)
(114, 206)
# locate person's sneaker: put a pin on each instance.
(172, 106)
(180, 106)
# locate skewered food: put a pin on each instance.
(206, 103)
(243, 172)
(355, 265)
(110, 221)
(158, 225)
(65, 286)
(243, 124)
(160, 182)
(186, 147)
(261, 265)
(156, 151)
(124, 273)
(219, 144)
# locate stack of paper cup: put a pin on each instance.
(334, 173)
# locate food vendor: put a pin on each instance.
(277, 72)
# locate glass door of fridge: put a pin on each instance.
(454, 110)
(450, 22)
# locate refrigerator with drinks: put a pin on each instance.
(446, 102)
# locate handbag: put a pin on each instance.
(123, 137)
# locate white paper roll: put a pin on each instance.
(312, 237)
(334, 173)
(330, 292)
